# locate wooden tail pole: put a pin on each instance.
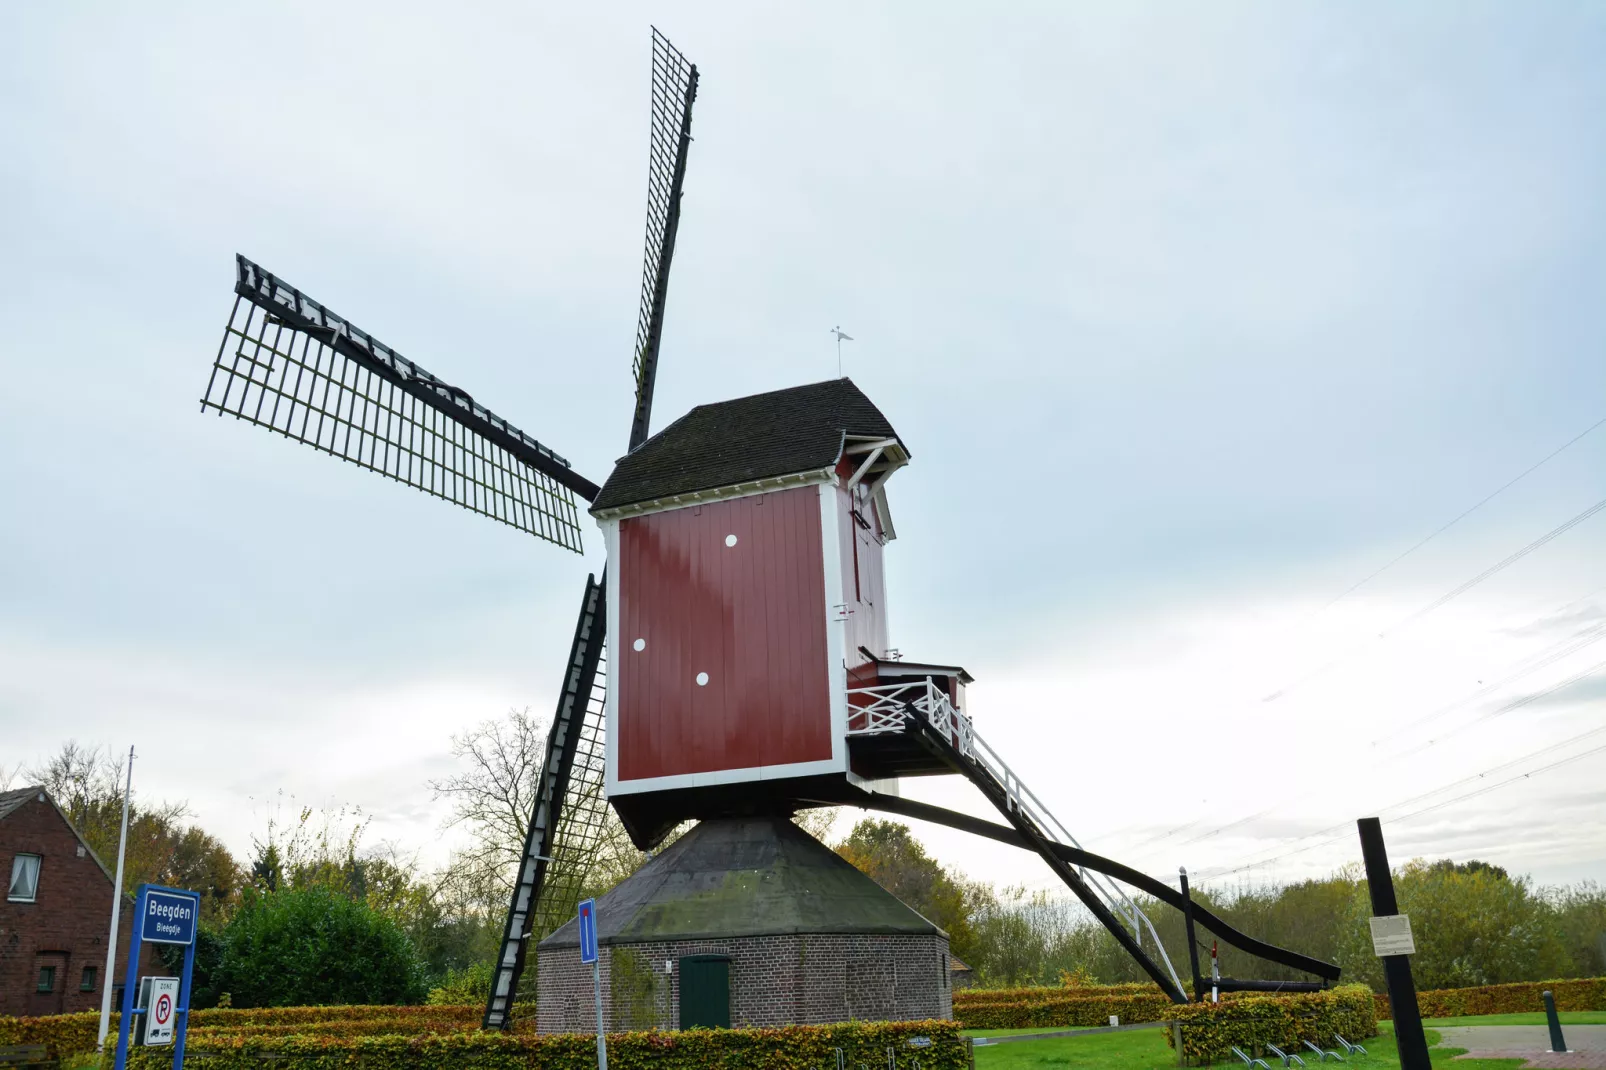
(1413, 1043)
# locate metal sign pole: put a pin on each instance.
(117, 909)
(125, 1021)
(1408, 1035)
(602, 1037)
(586, 917)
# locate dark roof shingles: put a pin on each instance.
(725, 443)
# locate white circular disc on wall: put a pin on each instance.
(702, 679)
(639, 644)
(730, 540)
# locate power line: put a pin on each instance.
(1501, 566)
(1507, 708)
(1445, 598)
(1549, 656)
(1530, 470)
(1213, 874)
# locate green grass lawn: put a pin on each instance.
(1028, 1029)
(1523, 1018)
(1146, 1049)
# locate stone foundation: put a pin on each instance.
(774, 980)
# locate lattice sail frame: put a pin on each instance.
(583, 820)
(674, 89)
(289, 364)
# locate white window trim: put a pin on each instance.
(16, 868)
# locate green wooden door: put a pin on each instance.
(705, 991)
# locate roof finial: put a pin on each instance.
(840, 338)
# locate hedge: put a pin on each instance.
(1211, 1030)
(1041, 993)
(1066, 1011)
(344, 1027)
(73, 1034)
(937, 1045)
(1580, 994)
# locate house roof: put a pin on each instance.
(762, 436)
(11, 801)
(740, 877)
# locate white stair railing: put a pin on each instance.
(881, 709)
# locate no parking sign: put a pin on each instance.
(159, 1011)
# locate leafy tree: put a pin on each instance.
(88, 782)
(891, 856)
(1472, 925)
(313, 947)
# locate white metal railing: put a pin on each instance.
(881, 709)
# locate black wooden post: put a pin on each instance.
(1557, 1041)
(1408, 1035)
(1193, 944)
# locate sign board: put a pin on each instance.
(588, 930)
(159, 1011)
(1391, 935)
(168, 918)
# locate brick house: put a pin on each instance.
(56, 912)
(746, 922)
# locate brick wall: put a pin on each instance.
(774, 980)
(65, 927)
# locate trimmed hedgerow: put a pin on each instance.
(1042, 993)
(1211, 1030)
(1066, 1010)
(801, 1047)
(75, 1034)
(1577, 994)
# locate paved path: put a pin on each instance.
(1531, 1042)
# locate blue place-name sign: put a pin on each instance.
(588, 930)
(168, 918)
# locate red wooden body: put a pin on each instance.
(752, 615)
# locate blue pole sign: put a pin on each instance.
(166, 916)
(588, 953)
(588, 931)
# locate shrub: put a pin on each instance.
(790, 1048)
(1585, 994)
(1064, 1010)
(312, 946)
(74, 1034)
(470, 985)
(1211, 1030)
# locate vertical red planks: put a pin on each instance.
(748, 614)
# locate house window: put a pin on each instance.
(24, 878)
(47, 978)
(87, 984)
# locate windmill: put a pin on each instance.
(752, 671)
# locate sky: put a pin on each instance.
(1193, 318)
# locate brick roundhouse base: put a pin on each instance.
(774, 980)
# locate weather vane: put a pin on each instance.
(840, 338)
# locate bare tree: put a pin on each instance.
(493, 798)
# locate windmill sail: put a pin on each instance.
(674, 88)
(289, 364)
(570, 814)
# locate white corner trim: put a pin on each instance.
(836, 673)
(610, 538)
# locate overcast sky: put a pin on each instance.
(1192, 317)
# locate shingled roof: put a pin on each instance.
(761, 436)
(745, 876)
